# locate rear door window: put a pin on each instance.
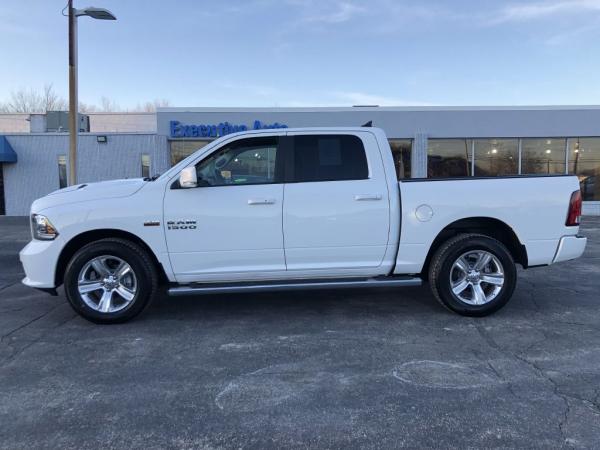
(328, 158)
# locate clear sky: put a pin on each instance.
(311, 52)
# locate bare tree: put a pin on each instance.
(152, 106)
(108, 105)
(161, 103)
(51, 100)
(30, 101)
(87, 108)
(23, 101)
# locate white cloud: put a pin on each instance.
(230, 93)
(362, 98)
(348, 98)
(248, 89)
(539, 10)
(395, 15)
(381, 15)
(327, 12)
(340, 12)
(572, 34)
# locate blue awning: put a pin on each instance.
(7, 154)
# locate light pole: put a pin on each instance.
(94, 13)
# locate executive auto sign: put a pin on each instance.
(180, 130)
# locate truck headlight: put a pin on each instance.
(42, 228)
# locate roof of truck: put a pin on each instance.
(305, 130)
(359, 108)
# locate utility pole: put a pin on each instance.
(73, 101)
(94, 13)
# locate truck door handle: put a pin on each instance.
(261, 201)
(364, 197)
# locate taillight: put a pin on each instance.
(574, 209)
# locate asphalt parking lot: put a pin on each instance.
(364, 368)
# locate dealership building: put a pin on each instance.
(427, 142)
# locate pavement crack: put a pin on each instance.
(541, 374)
(488, 338)
(531, 295)
(593, 404)
(9, 285)
(501, 377)
(556, 390)
(578, 324)
(34, 341)
(26, 324)
(5, 311)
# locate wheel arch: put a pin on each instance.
(78, 241)
(487, 226)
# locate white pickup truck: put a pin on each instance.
(297, 209)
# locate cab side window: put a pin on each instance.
(329, 158)
(243, 162)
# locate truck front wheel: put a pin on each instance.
(110, 280)
(472, 275)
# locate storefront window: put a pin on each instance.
(584, 161)
(182, 149)
(62, 171)
(448, 158)
(145, 165)
(543, 156)
(496, 157)
(401, 151)
(2, 203)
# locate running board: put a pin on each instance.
(274, 286)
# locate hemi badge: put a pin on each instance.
(152, 223)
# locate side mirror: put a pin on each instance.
(188, 178)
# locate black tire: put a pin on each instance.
(140, 264)
(441, 267)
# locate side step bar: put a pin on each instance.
(274, 286)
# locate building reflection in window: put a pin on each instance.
(584, 161)
(401, 151)
(447, 158)
(496, 157)
(182, 149)
(543, 156)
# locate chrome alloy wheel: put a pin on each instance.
(107, 284)
(476, 277)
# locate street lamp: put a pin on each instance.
(94, 13)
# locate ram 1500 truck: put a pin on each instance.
(297, 209)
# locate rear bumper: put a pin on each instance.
(569, 247)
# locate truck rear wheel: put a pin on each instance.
(110, 281)
(472, 275)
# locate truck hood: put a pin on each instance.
(89, 191)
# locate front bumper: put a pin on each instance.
(569, 247)
(39, 260)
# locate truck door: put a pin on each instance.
(230, 227)
(336, 208)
